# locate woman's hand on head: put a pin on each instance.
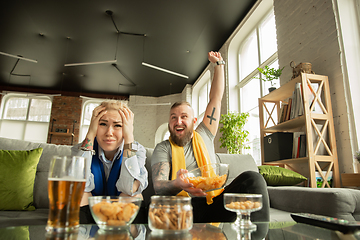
(128, 124)
(97, 113)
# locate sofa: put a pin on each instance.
(335, 202)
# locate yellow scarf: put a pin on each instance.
(202, 158)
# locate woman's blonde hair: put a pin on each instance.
(114, 104)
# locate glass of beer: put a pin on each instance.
(66, 183)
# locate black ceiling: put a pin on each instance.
(172, 34)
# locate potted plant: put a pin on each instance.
(270, 74)
(357, 157)
(233, 134)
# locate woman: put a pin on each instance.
(115, 156)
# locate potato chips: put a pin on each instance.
(115, 213)
(208, 183)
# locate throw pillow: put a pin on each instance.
(17, 175)
(278, 176)
(16, 233)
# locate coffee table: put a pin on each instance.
(287, 230)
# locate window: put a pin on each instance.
(200, 95)
(88, 107)
(25, 117)
(257, 49)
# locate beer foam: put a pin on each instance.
(68, 179)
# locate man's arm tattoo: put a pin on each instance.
(161, 171)
(212, 116)
(162, 184)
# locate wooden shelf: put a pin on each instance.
(62, 134)
(306, 123)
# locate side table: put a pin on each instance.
(350, 179)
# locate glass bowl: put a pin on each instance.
(114, 212)
(209, 177)
(170, 214)
(243, 205)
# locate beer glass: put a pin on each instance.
(66, 183)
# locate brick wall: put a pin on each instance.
(307, 31)
(65, 114)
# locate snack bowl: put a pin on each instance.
(243, 204)
(209, 177)
(114, 212)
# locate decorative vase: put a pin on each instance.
(272, 89)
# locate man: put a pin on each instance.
(181, 149)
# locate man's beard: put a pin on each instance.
(184, 139)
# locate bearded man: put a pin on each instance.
(178, 155)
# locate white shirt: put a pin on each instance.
(132, 169)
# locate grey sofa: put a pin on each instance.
(340, 202)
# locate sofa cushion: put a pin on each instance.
(41, 199)
(239, 163)
(17, 175)
(278, 176)
(341, 203)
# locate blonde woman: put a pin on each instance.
(117, 160)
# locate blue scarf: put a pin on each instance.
(103, 187)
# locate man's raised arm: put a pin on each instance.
(212, 112)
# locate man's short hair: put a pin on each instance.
(176, 104)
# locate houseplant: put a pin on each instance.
(270, 74)
(357, 157)
(233, 134)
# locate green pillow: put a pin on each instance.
(17, 175)
(278, 176)
(15, 233)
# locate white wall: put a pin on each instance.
(150, 115)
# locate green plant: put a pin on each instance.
(233, 135)
(270, 74)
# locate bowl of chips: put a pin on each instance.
(114, 212)
(209, 177)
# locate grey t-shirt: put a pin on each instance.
(162, 151)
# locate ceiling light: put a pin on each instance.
(164, 70)
(88, 63)
(18, 57)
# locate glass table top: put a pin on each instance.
(269, 231)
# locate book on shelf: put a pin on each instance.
(299, 145)
(297, 105)
(302, 147)
(288, 111)
(283, 112)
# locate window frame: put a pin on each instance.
(258, 16)
(23, 132)
(83, 129)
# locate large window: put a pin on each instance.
(200, 97)
(87, 109)
(257, 49)
(25, 117)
